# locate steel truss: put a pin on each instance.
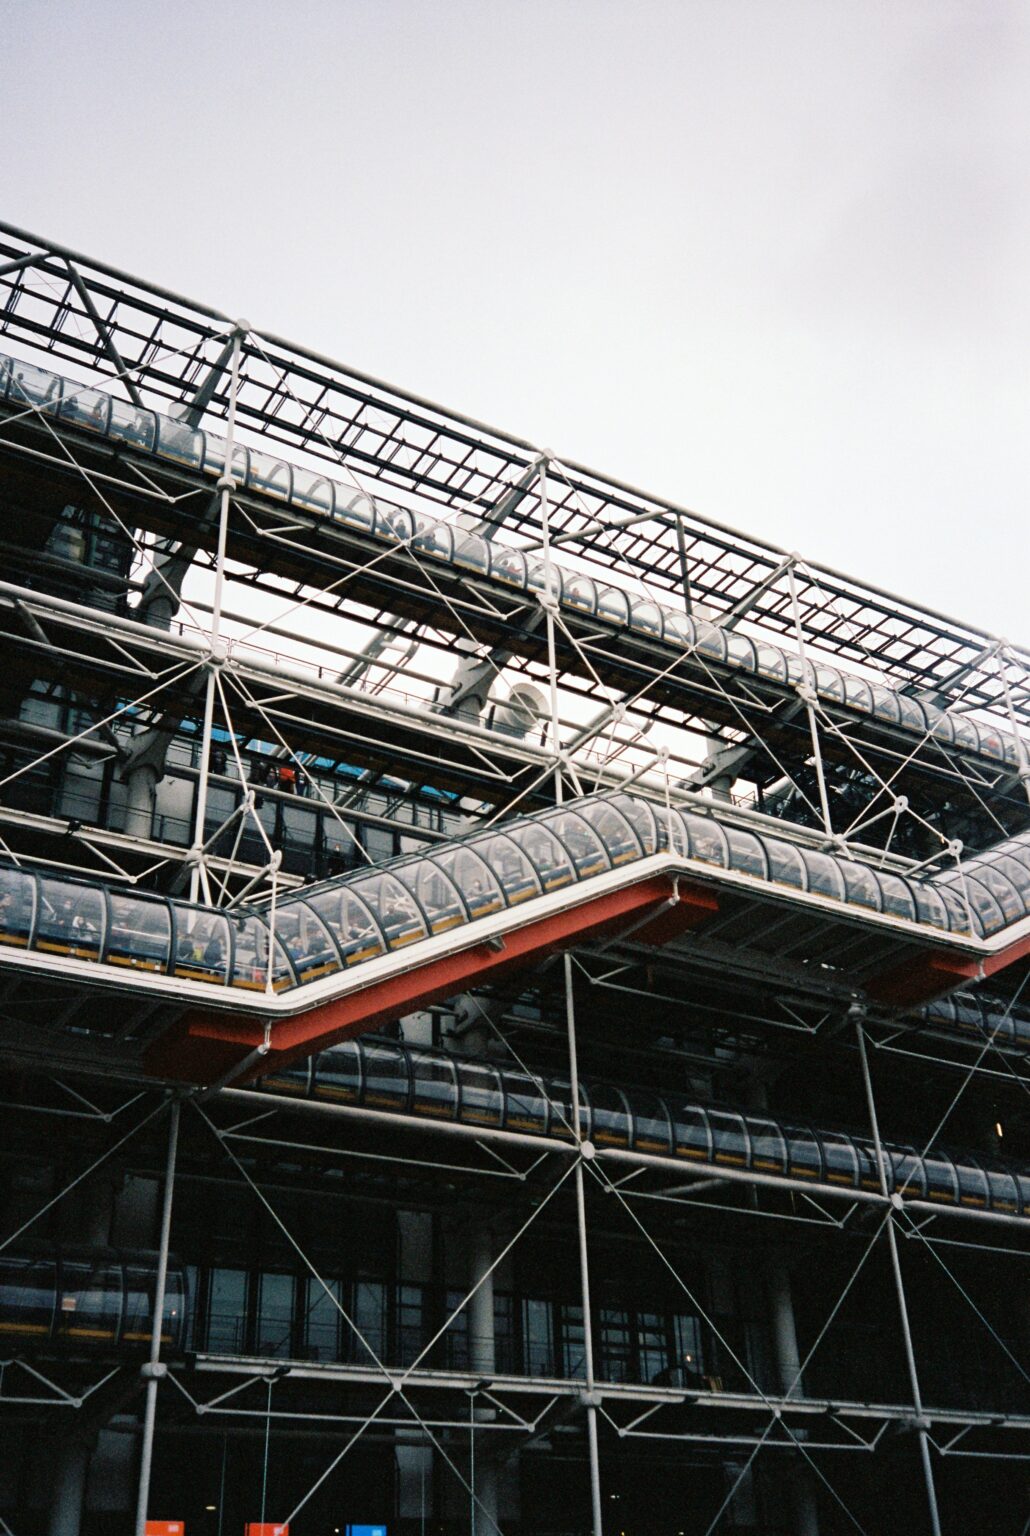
(612, 715)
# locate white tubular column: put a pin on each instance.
(69, 1469)
(483, 1361)
(788, 1366)
(153, 1370)
(226, 486)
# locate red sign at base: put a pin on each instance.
(266, 1530)
(166, 1528)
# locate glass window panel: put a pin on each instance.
(646, 617)
(929, 906)
(394, 524)
(178, 441)
(982, 902)
(911, 712)
(897, 897)
(474, 879)
(803, 1159)
(139, 932)
(885, 703)
(958, 917)
(538, 1336)
(613, 605)
(829, 683)
(707, 840)
(858, 695)
(312, 491)
(861, 885)
(307, 940)
(370, 1321)
(614, 831)
(580, 592)
(525, 1103)
(227, 1311)
(434, 1090)
(941, 1183)
(393, 907)
(909, 1178)
(562, 1120)
(740, 652)
(711, 641)
(768, 1148)
(91, 1302)
(482, 1102)
(201, 945)
(572, 1346)
(359, 511)
(508, 565)
(138, 1309)
(337, 1073)
(214, 457)
(840, 1158)
(87, 408)
(320, 1328)
(868, 1167)
(651, 1129)
(786, 866)
(972, 1184)
(641, 818)
(269, 476)
(824, 875)
(966, 733)
(35, 386)
(70, 920)
(771, 662)
(584, 845)
(679, 630)
(610, 1116)
(993, 877)
(350, 922)
(746, 853)
(729, 1138)
(250, 958)
(434, 892)
(471, 551)
(273, 1334)
(616, 1344)
(652, 1345)
(1002, 1187)
(293, 1080)
(17, 896)
(28, 1297)
(129, 424)
(690, 1125)
(385, 1069)
(546, 856)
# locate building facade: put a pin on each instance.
(522, 983)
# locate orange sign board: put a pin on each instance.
(166, 1528)
(267, 1530)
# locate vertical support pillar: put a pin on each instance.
(586, 1152)
(548, 600)
(153, 1370)
(483, 1361)
(226, 486)
(899, 1284)
(806, 693)
(788, 1366)
(69, 1469)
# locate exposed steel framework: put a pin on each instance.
(633, 745)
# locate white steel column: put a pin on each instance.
(226, 486)
(154, 1370)
(483, 1360)
(548, 599)
(586, 1151)
(899, 1285)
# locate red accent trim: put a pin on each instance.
(204, 1046)
(925, 976)
(1017, 951)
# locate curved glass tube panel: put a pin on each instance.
(202, 944)
(91, 410)
(387, 1075)
(88, 1299)
(139, 931)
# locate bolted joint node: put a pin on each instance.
(587, 1151)
(218, 654)
(195, 855)
(806, 693)
(955, 847)
(900, 803)
(897, 1202)
(242, 327)
(225, 483)
(153, 1370)
(547, 601)
(857, 1011)
(589, 1399)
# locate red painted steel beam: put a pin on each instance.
(204, 1046)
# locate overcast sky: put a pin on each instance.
(768, 258)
